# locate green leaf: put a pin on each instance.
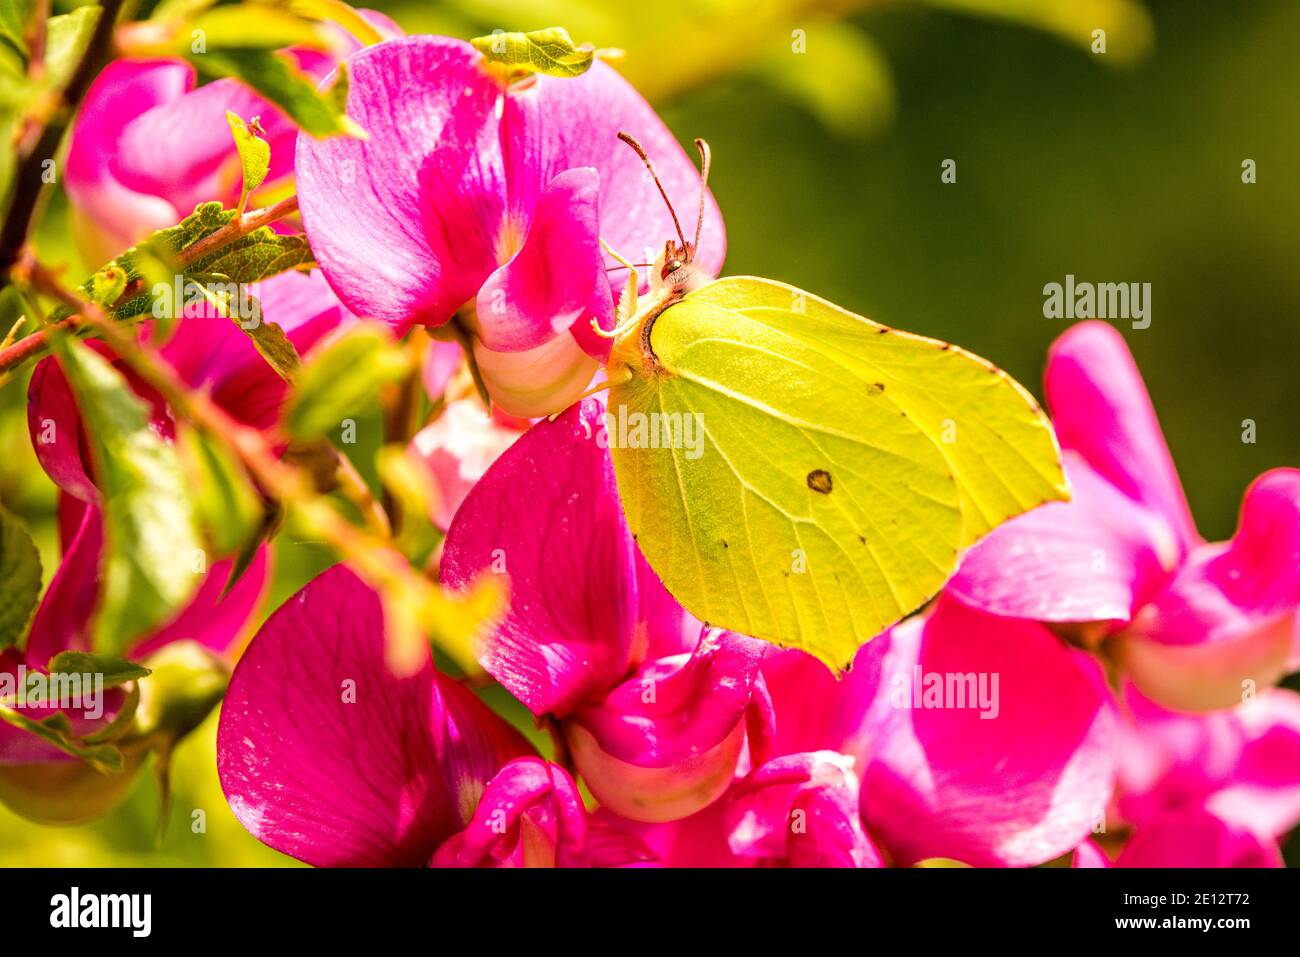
(66, 39)
(150, 536)
(14, 17)
(340, 377)
(412, 491)
(254, 153)
(152, 276)
(549, 51)
(116, 671)
(229, 508)
(272, 74)
(20, 578)
(274, 346)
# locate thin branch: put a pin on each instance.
(35, 345)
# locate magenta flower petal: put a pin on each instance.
(666, 742)
(1097, 557)
(55, 427)
(556, 124)
(1194, 838)
(207, 168)
(677, 707)
(215, 617)
(815, 710)
(1229, 616)
(547, 516)
(1011, 774)
(406, 223)
(62, 619)
(327, 756)
(531, 815)
(1194, 650)
(800, 810)
(1242, 764)
(552, 281)
(211, 351)
(1101, 409)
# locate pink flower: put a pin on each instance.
(980, 739)
(592, 639)
(485, 202)
(1240, 766)
(324, 754)
(148, 146)
(1191, 622)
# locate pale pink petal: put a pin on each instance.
(800, 810)
(1195, 648)
(547, 518)
(458, 447)
(1097, 557)
(1015, 773)
(406, 223)
(326, 755)
(1101, 409)
(551, 283)
(440, 364)
(531, 815)
(1089, 854)
(538, 382)
(1193, 838)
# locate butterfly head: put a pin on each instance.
(675, 266)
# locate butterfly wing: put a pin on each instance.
(841, 469)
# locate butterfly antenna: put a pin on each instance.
(706, 160)
(630, 140)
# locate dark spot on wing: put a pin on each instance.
(819, 480)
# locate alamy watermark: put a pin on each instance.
(191, 299)
(1103, 300)
(950, 690)
(61, 689)
(653, 430)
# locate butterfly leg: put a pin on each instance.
(627, 304)
(617, 378)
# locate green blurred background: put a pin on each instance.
(1123, 166)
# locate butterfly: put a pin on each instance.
(841, 467)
